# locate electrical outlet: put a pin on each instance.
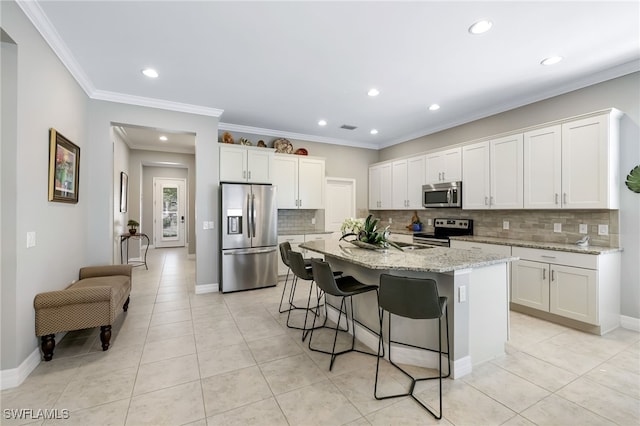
(313, 220)
(205, 225)
(583, 228)
(31, 239)
(505, 224)
(462, 293)
(211, 225)
(390, 220)
(603, 229)
(557, 227)
(429, 222)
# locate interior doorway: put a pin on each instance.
(170, 212)
(340, 202)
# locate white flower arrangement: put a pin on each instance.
(352, 225)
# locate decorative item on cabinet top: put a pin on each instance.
(283, 146)
(261, 144)
(227, 138)
(245, 141)
(301, 151)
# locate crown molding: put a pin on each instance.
(575, 84)
(292, 135)
(39, 20)
(122, 98)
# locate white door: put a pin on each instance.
(341, 202)
(169, 200)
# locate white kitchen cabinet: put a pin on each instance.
(543, 168)
(590, 161)
(530, 284)
(580, 287)
(444, 166)
(380, 186)
(245, 164)
(493, 174)
(300, 181)
(573, 165)
(408, 176)
(295, 241)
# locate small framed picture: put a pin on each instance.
(124, 191)
(64, 168)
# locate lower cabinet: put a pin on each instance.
(295, 241)
(581, 287)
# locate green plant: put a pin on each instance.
(633, 179)
(132, 224)
(369, 234)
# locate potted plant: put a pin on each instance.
(133, 226)
(368, 236)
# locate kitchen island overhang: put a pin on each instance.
(476, 285)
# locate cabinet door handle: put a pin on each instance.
(556, 198)
(491, 202)
(546, 256)
(564, 198)
(244, 174)
(300, 205)
(486, 201)
(249, 174)
(439, 176)
(553, 275)
(442, 175)
(544, 274)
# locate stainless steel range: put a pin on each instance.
(443, 229)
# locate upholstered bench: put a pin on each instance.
(92, 301)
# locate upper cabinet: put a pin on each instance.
(246, 164)
(300, 181)
(573, 165)
(408, 176)
(444, 166)
(492, 174)
(380, 186)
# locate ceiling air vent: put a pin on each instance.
(348, 127)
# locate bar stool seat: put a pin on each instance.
(285, 248)
(415, 298)
(343, 287)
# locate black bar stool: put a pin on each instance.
(340, 287)
(285, 248)
(415, 298)
(300, 271)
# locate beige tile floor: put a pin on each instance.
(180, 358)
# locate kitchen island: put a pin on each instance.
(476, 285)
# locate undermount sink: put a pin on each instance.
(411, 246)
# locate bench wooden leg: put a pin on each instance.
(48, 343)
(126, 304)
(105, 336)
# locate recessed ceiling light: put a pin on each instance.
(480, 27)
(552, 60)
(164, 138)
(150, 72)
(434, 107)
(322, 123)
(373, 132)
(373, 92)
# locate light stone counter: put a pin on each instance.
(434, 259)
(572, 248)
(475, 284)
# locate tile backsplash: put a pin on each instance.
(300, 220)
(531, 225)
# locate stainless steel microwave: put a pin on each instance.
(447, 194)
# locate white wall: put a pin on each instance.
(121, 154)
(621, 93)
(46, 96)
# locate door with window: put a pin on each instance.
(169, 201)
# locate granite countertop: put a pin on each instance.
(434, 259)
(302, 232)
(596, 250)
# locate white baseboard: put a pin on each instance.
(15, 376)
(630, 323)
(207, 288)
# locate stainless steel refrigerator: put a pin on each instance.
(249, 237)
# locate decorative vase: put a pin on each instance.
(417, 227)
(133, 231)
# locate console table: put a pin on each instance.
(124, 241)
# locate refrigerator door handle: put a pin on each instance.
(245, 251)
(249, 215)
(253, 214)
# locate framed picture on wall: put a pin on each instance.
(64, 168)
(124, 192)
